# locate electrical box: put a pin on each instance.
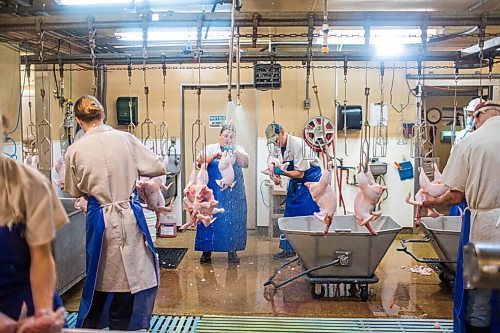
(353, 114)
(267, 76)
(123, 110)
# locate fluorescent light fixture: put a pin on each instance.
(95, 2)
(115, 2)
(389, 49)
(172, 34)
(377, 36)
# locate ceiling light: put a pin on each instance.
(172, 34)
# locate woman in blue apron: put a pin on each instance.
(228, 233)
(298, 198)
(122, 268)
(30, 214)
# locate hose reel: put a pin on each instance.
(319, 133)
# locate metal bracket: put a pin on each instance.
(199, 28)
(255, 23)
(310, 29)
(482, 30)
(367, 30)
(423, 29)
(345, 257)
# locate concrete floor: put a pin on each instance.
(221, 289)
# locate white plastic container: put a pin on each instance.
(168, 226)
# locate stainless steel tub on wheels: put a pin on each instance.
(443, 234)
(348, 254)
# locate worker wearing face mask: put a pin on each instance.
(469, 120)
(457, 210)
(472, 174)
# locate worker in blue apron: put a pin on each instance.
(141, 307)
(457, 210)
(122, 267)
(228, 233)
(475, 310)
(30, 214)
(300, 170)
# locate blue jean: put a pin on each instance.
(479, 307)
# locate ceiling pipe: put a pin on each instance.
(477, 5)
(121, 20)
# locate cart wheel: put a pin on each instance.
(443, 277)
(318, 291)
(363, 293)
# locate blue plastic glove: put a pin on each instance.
(278, 171)
(227, 148)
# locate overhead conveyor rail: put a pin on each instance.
(117, 18)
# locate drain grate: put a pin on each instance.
(158, 324)
(212, 324)
(170, 257)
(281, 324)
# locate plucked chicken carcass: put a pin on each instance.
(226, 163)
(199, 200)
(427, 188)
(366, 199)
(324, 195)
(149, 190)
(273, 162)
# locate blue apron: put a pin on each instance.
(460, 296)
(298, 199)
(15, 287)
(229, 232)
(455, 210)
(143, 300)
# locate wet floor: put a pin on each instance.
(223, 289)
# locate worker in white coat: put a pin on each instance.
(122, 269)
(472, 174)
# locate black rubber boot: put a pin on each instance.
(206, 258)
(475, 329)
(284, 255)
(233, 258)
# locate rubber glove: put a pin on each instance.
(278, 171)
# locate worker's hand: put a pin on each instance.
(217, 155)
(43, 321)
(278, 171)
(7, 324)
(430, 201)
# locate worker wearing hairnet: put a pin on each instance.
(122, 268)
(300, 170)
(469, 120)
(472, 174)
(30, 215)
(457, 210)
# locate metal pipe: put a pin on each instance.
(231, 49)
(238, 70)
(247, 57)
(452, 76)
(122, 19)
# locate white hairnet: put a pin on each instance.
(472, 104)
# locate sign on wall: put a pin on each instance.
(216, 121)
